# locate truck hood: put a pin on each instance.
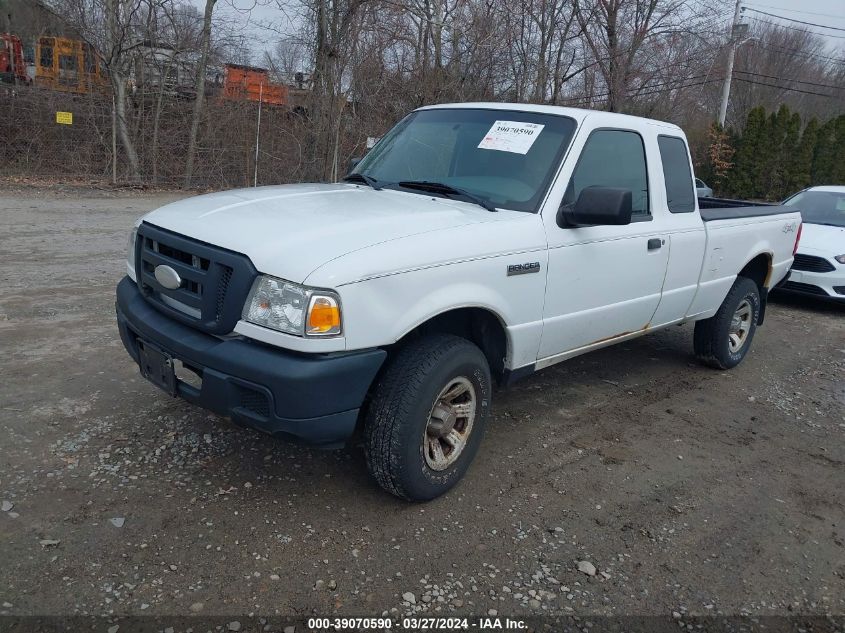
(822, 240)
(288, 231)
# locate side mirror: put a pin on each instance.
(353, 163)
(598, 206)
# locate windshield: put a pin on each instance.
(820, 207)
(505, 157)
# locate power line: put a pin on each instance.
(821, 15)
(712, 48)
(794, 51)
(787, 89)
(781, 17)
(792, 28)
(799, 81)
(667, 86)
(574, 101)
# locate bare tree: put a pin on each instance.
(205, 46)
(333, 24)
(618, 34)
(288, 57)
(177, 27)
(108, 26)
(365, 63)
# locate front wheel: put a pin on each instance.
(426, 417)
(723, 340)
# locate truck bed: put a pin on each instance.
(727, 209)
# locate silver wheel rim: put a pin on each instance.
(449, 424)
(740, 326)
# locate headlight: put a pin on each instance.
(132, 237)
(130, 255)
(281, 305)
(840, 258)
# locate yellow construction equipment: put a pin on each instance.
(68, 65)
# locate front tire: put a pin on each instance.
(426, 417)
(723, 340)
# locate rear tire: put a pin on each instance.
(723, 340)
(426, 417)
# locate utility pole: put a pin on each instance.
(258, 132)
(113, 142)
(726, 88)
(6, 17)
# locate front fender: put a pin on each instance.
(383, 310)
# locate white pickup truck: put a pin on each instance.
(473, 245)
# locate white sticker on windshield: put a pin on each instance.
(511, 136)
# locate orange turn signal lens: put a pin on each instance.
(323, 316)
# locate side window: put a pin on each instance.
(67, 62)
(46, 60)
(680, 194)
(90, 60)
(612, 158)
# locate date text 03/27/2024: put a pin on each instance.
(416, 624)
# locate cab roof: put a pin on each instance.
(579, 114)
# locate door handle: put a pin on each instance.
(655, 243)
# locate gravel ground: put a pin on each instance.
(627, 481)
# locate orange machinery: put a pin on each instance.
(12, 66)
(67, 65)
(248, 83)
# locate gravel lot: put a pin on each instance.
(689, 491)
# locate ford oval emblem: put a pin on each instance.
(168, 277)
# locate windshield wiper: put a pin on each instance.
(369, 180)
(446, 190)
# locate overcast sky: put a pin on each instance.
(826, 12)
(248, 14)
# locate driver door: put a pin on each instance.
(604, 282)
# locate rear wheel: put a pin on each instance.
(723, 340)
(426, 417)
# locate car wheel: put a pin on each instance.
(723, 340)
(426, 416)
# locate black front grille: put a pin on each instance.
(807, 288)
(222, 289)
(812, 263)
(215, 281)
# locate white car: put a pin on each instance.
(819, 266)
(473, 245)
(702, 190)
